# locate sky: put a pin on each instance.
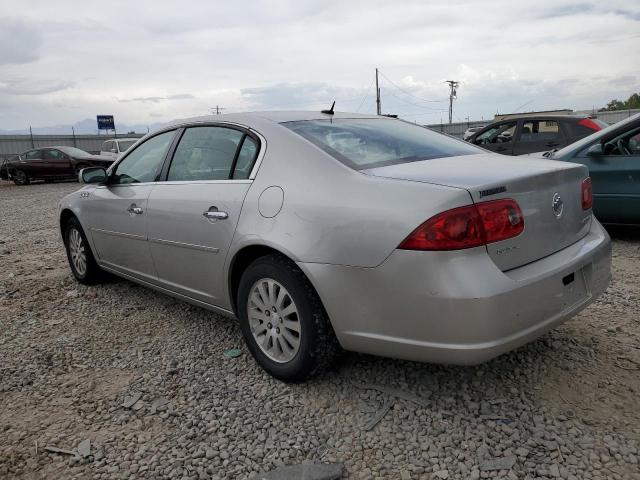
(149, 62)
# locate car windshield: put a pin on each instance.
(125, 144)
(74, 152)
(376, 142)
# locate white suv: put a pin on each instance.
(113, 148)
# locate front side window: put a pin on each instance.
(205, 153)
(626, 144)
(502, 133)
(540, 131)
(106, 146)
(32, 155)
(143, 163)
(373, 142)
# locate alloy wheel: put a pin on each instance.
(274, 321)
(77, 252)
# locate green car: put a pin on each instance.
(613, 158)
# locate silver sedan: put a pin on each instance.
(321, 232)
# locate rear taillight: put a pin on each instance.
(467, 227)
(590, 124)
(587, 194)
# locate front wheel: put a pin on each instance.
(283, 321)
(83, 264)
(20, 177)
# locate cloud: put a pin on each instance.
(180, 96)
(567, 10)
(21, 41)
(66, 60)
(25, 86)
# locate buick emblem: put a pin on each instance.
(557, 205)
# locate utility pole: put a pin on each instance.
(378, 106)
(217, 109)
(453, 86)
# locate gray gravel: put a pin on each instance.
(143, 377)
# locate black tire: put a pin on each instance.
(20, 177)
(92, 273)
(318, 344)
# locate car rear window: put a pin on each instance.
(373, 142)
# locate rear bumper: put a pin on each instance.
(458, 307)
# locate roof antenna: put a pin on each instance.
(330, 111)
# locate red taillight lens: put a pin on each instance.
(590, 124)
(501, 219)
(467, 227)
(587, 194)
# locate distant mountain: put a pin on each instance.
(83, 127)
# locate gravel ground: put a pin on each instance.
(144, 378)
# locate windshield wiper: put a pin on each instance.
(550, 153)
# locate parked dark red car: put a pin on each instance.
(51, 163)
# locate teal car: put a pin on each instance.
(613, 158)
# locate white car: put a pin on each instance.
(113, 148)
(471, 130)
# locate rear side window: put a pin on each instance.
(373, 142)
(123, 146)
(539, 131)
(205, 153)
(53, 155)
(246, 157)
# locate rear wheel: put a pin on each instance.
(83, 264)
(20, 177)
(283, 321)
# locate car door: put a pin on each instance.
(117, 211)
(34, 163)
(538, 135)
(58, 163)
(192, 216)
(615, 177)
(497, 138)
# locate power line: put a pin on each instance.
(365, 95)
(414, 104)
(409, 93)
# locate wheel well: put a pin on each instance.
(64, 218)
(240, 263)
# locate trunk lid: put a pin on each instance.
(534, 183)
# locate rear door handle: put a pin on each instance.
(133, 210)
(214, 214)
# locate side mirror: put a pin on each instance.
(595, 150)
(113, 150)
(92, 175)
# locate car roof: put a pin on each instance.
(126, 139)
(273, 116)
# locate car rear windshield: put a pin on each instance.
(373, 142)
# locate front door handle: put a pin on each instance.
(214, 214)
(133, 210)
